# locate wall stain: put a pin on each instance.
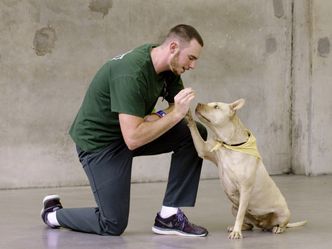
(323, 47)
(44, 40)
(276, 127)
(101, 6)
(278, 8)
(270, 45)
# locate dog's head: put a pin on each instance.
(216, 115)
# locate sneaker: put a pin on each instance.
(51, 203)
(177, 224)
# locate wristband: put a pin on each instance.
(161, 113)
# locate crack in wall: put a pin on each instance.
(292, 80)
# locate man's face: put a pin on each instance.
(185, 57)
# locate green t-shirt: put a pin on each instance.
(127, 84)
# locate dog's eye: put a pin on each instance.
(216, 107)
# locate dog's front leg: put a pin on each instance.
(245, 193)
(200, 144)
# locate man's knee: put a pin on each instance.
(114, 228)
(182, 133)
(119, 230)
(201, 128)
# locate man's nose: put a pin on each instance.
(192, 64)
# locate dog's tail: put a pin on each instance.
(296, 224)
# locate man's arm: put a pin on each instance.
(154, 116)
(138, 131)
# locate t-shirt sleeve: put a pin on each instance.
(127, 97)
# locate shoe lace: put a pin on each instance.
(182, 219)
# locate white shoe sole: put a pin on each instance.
(174, 232)
(47, 198)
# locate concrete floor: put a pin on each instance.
(308, 198)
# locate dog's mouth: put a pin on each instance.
(203, 117)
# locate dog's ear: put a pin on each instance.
(238, 104)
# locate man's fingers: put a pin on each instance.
(186, 91)
(190, 96)
(183, 99)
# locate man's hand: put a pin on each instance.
(182, 101)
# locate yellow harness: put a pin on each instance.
(249, 147)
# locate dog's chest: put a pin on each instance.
(230, 184)
(232, 173)
(231, 189)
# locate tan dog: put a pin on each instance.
(256, 199)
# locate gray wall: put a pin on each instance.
(275, 54)
(311, 82)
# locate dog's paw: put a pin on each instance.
(230, 229)
(235, 235)
(189, 118)
(278, 229)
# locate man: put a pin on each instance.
(115, 124)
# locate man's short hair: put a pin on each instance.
(186, 33)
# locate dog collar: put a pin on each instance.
(248, 147)
(220, 143)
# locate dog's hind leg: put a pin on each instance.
(280, 221)
(278, 229)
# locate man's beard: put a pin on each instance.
(174, 64)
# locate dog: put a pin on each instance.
(256, 199)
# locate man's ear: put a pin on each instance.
(238, 104)
(174, 47)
